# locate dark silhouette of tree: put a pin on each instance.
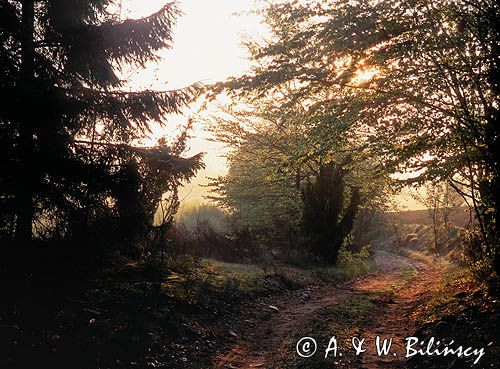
(67, 126)
(326, 220)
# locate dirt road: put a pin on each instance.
(400, 284)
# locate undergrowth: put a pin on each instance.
(466, 310)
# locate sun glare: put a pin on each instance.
(364, 75)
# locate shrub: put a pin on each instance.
(476, 255)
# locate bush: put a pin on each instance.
(355, 263)
(191, 216)
(204, 240)
(476, 255)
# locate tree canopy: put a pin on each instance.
(416, 84)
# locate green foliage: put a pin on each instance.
(283, 139)
(264, 205)
(476, 256)
(416, 85)
(355, 263)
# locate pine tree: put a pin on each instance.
(67, 125)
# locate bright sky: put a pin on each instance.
(207, 49)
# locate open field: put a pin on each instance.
(460, 218)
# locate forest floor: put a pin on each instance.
(391, 303)
(210, 314)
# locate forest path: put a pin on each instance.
(400, 281)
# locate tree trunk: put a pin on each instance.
(493, 190)
(346, 224)
(25, 179)
(323, 203)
